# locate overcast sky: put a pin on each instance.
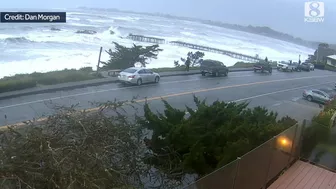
(282, 15)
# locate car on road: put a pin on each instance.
(324, 95)
(138, 76)
(287, 66)
(312, 67)
(213, 67)
(262, 67)
(304, 66)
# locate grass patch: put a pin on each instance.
(174, 69)
(182, 68)
(24, 81)
(247, 64)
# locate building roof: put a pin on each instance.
(332, 57)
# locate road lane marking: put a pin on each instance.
(281, 91)
(296, 98)
(304, 105)
(108, 90)
(277, 104)
(208, 90)
(233, 86)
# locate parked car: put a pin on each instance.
(138, 76)
(213, 67)
(312, 67)
(286, 66)
(319, 95)
(330, 91)
(262, 67)
(304, 66)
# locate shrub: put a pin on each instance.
(24, 81)
(74, 150)
(211, 137)
(319, 131)
(7, 84)
(243, 65)
(248, 64)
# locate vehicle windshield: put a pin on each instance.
(130, 70)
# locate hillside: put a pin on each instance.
(265, 31)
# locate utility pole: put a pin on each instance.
(100, 51)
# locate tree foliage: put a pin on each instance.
(124, 57)
(194, 58)
(74, 150)
(319, 131)
(177, 63)
(211, 137)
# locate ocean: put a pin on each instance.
(35, 47)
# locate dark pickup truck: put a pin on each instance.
(213, 67)
(262, 67)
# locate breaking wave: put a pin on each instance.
(16, 40)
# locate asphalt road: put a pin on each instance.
(279, 91)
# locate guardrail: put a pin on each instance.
(259, 167)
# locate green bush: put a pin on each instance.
(180, 68)
(319, 131)
(248, 64)
(243, 65)
(24, 81)
(8, 84)
(328, 67)
(211, 137)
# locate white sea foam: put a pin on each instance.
(49, 61)
(79, 50)
(126, 18)
(72, 18)
(100, 21)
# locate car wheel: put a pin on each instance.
(226, 73)
(139, 82)
(309, 98)
(157, 79)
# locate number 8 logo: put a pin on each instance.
(314, 9)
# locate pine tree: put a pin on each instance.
(123, 57)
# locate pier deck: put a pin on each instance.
(155, 40)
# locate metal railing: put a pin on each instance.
(257, 168)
